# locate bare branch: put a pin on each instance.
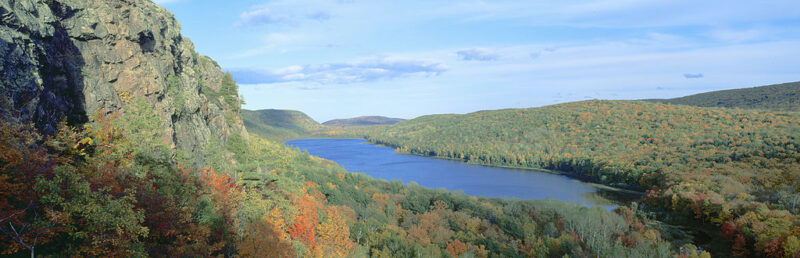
(30, 204)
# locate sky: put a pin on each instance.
(346, 58)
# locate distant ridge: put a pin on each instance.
(278, 125)
(777, 97)
(363, 121)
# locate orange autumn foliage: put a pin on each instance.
(305, 222)
(334, 235)
(456, 247)
(262, 239)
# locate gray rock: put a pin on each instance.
(68, 59)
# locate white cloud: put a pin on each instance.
(341, 73)
(274, 42)
(319, 16)
(537, 54)
(736, 35)
(259, 15)
(281, 12)
(619, 13)
(477, 54)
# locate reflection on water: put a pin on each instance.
(382, 162)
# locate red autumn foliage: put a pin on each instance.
(456, 247)
(774, 248)
(729, 230)
(740, 246)
(304, 225)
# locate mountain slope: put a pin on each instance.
(116, 182)
(779, 97)
(279, 125)
(73, 59)
(363, 121)
(717, 165)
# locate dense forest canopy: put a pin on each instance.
(779, 97)
(736, 169)
(279, 125)
(110, 189)
(117, 139)
(363, 121)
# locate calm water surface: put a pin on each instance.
(381, 162)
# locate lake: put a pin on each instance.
(382, 162)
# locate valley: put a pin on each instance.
(118, 139)
(383, 163)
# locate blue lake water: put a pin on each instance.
(381, 162)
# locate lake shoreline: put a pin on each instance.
(382, 162)
(575, 176)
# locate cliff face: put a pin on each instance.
(67, 59)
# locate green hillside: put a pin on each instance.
(779, 97)
(735, 169)
(159, 164)
(256, 198)
(279, 125)
(363, 121)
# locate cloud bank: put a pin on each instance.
(477, 54)
(275, 13)
(258, 16)
(341, 73)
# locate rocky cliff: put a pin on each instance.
(68, 59)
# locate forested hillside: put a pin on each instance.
(737, 170)
(158, 164)
(363, 121)
(110, 188)
(279, 125)
(779, 97)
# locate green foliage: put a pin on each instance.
(230, 92)
(143, 204)
(236, 144)
(215, 156)
(714, 165)
(279, 125)
(285, 125)
(779, 97)
(363, 121)
(212, 96)
(175, 90)
(422, 217)
(112, 189)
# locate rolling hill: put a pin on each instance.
(363, 121)
(118, 140)
(719, 166)
(778, 97)
(278, 125)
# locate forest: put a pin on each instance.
(778, 97)
(736, 170)
(109, 188)
(117, 139)
(279, 125)
(363, 121)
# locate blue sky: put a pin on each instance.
(346, 58)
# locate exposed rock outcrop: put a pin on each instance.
(67, 59)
